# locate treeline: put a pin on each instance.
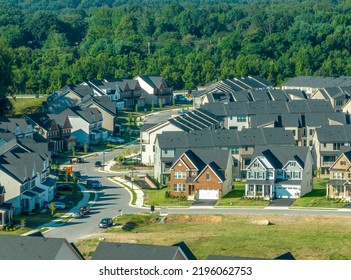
(189, 45)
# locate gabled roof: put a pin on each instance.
(125, 251)
(279, 156)
(153, 80)
(334, 133)
(90, 115)
(34, 248)
(318, 82)
(10, 124)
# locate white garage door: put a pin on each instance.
(208, 194)
(286, 192)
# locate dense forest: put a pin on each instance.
(46, 44)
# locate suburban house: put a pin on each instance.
(125, 92)
(66, 97)
(241, 144)
(55, 129)
(192, 121)
(108, 110)
(25, 174)
(155, 89)
(20, 127)
(279, 172)
(131, 251)
(37, 248)
(339, 184)
(201, 174)
(86, 125)
(337, 96)
(310, 84)
(6, 212)
(328, 140)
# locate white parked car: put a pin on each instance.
(115, 140)
(58, 205)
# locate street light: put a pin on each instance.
(103, 158)
(132, 179)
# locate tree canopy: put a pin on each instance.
(47, 44)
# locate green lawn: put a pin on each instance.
(236, 198)
(317, 197)
(23, 106)
(157, 198)
(306, 237)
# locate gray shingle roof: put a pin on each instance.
(125, 251)
(318, 82)
(278, 156)
(31, 247)
(334, 133)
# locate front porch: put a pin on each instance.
(341, 190)
(258, 190)
(6, 214)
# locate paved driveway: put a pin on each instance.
(282, 202)
(205, 202)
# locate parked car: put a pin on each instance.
(98, 164)
(95, 184)
(80, 160)
(77, 215)
(84, 209)
(58, 205)
(116, 140)
(64, 187)
(105, 223)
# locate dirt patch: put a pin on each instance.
(193, 219)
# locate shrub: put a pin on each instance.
(168, 194)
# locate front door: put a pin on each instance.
(191, 189)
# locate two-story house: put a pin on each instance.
(192, 121)
(337, 96)
(327, 142)
(155, 89)
(279, 172)
(202, 174)
(6, 213)
(86, 125)
(20, 127)
(25, 174)
(55, 129)
(339, 184)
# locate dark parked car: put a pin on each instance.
(95, 184)
(64, 187)
(84, 209)
(98, 164)
(105, 223)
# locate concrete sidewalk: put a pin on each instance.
(139, 193)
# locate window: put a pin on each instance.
(296, 175)
(208, 176)
(338, 175)
(250, 175)
(235, 162)
(339, 102)
(179, 175)
(342, 162)
(324, 145)
(179, 188)
(311, 132)
(310, 143)
(336, 146)
(234, 150)
(241, 119)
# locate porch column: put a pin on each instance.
(255, 189)
(344, 191)
(271, 191)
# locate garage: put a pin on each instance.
(208, 194)
(286, 192)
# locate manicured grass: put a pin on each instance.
(236, 198)
(157, 198)
(317, 197)
(306, 237)
(23, 106)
